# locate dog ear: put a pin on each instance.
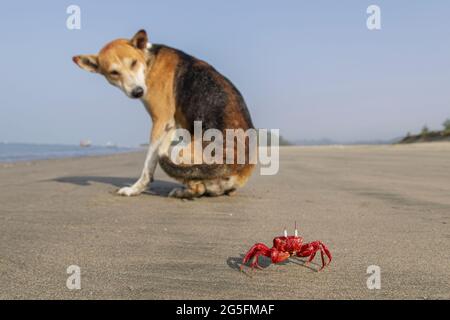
(87, 62)
(140, 40)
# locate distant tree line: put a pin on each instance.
(281, 140)
(428, 135)
(446, 125)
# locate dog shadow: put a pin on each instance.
(236, 263)
(157, 187)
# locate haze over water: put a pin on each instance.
(14, 152)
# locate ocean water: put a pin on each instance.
(14, 152)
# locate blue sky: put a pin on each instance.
(310, 68)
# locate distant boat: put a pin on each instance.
(110, 144)
(85, 143)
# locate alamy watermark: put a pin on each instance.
(74, 280)
(374, 280)
(374, 20)
(73, 21)
(233, 146)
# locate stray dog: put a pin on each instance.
(176, 90)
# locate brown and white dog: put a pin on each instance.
(176, 90)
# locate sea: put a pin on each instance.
(15, 152)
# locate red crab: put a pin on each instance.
(284, 247)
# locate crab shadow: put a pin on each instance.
(157, 187)
(236, 263)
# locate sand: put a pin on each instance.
(372, 205)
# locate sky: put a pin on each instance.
(309, 68)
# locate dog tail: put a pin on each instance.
(194, 171)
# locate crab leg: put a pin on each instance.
(323, 260)
(323, 249)
(255, 251)
(310, 249)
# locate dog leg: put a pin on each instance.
(159, 132)
(147, 173)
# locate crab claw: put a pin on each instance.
(279, 256)
(261, 249)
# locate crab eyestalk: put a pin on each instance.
(285, 233)
(296, 232)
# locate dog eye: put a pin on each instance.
(114, 73)
(133, 63)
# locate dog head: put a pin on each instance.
(122, 62)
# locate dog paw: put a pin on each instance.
(128, 191)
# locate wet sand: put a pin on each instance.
(372, 205)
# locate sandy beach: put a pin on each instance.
(372, 205)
